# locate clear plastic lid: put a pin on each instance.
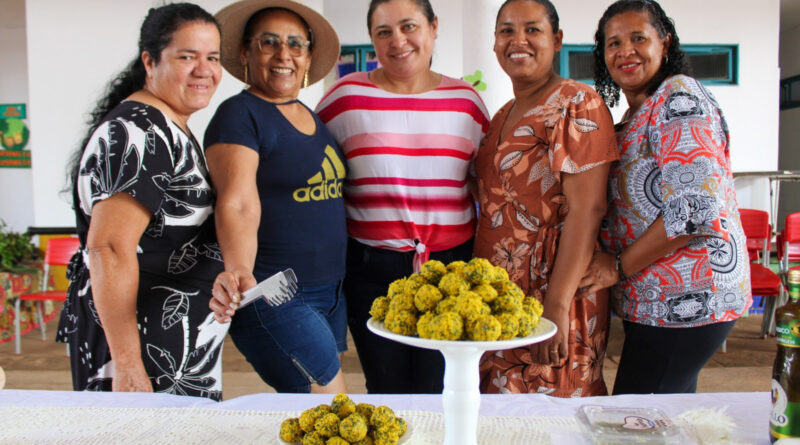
(613, 425)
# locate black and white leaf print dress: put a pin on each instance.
(138, 151)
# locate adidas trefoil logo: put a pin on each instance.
(326, 184)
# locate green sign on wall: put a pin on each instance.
(14, 136)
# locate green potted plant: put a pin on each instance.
(15, 248)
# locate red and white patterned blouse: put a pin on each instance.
(674, 162)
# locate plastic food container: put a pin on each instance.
(613, 425)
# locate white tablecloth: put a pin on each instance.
(750, 411)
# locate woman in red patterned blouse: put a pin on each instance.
(675, 248)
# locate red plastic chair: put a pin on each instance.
(57, 253)
(788, 242)
(763, 281)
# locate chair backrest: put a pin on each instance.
(791, 229)
(758, 232)
(60, 250)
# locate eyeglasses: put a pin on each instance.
(268, 44)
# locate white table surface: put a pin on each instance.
(750, 411)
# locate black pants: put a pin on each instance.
(666, 360)
(390, 367)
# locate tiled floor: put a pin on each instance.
(745, 367)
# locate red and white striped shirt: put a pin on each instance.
(408, 157)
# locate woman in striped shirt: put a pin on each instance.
(409, 135)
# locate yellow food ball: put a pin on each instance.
(509, 325)
(327, 425)
(508, 287)
(525, 324)
(423, 325)
(342, 406)
(313, 438)
(484, 328)
(456, 267)
(499, 274)
(401, 424)
(534, 305)
(336, 440)
(365, 441)
(446, 326)
(470, 307)
(365, 409)
(397, 287)
(353, 428)
(291, 431)
(447, 305)
(427, 297)
(453, 284)
(401, 322)
(386, 436)
(309, 417)
(379, 308)
(413, 282)
(479, 270)
(506, 303)
(433, 271)
(381, 415)
(402, 302)
(485, 291)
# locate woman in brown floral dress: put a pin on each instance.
(542, 172)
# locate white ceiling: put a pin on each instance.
(790, 14)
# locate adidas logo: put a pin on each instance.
(326, 184)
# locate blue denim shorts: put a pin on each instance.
(297, 343)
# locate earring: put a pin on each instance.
(246, 79)
(305, 79)
(666, 59)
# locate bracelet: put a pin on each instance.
(618, 263)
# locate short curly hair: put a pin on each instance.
(677, 62)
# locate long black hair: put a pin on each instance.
(676, 63)
(155, 34)
(552, 14)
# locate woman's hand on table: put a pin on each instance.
(555, 350)
(130, 378)
(226, 293)
(601, 273)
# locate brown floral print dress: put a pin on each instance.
(522, 211)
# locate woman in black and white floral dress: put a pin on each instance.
(137, 316)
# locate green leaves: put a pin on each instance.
(14, 247)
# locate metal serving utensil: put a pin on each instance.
(275, 290)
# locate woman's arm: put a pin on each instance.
(117, 224)
(586, 197)
(237, 215)
(649, 248)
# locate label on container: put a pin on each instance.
(788, 334)
(784, 420)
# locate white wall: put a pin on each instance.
(16, 184)
(789, 153)
(99, 38)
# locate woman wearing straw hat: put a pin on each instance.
(278, 175)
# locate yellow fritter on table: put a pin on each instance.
(460, 301)
(344, 423)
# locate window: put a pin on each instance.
(790, 93)
(711, 64)
(356, 58)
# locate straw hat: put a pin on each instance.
(234, 17)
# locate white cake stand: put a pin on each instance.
(461, 397)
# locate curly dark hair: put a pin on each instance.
(677, 62)
(552, 14)
(154, 35)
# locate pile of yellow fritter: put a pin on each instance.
(344, 422)
(460, 301)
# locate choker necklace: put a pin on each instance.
(288, 102)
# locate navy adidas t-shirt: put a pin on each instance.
(299, 180)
